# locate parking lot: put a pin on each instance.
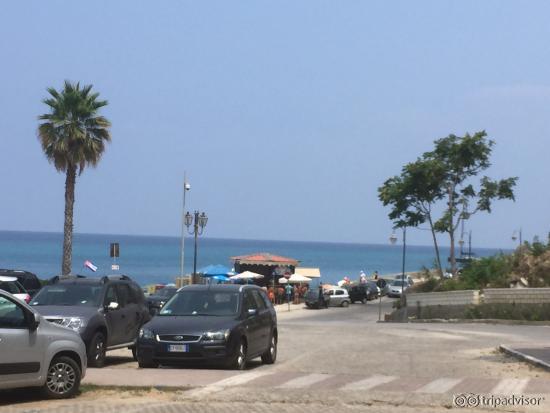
(336, 357)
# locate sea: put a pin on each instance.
(156, 259)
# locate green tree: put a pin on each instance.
(463, 158)
(412, 196)
(72, 136)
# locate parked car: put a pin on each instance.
(27, 279)
(161, 297)
(35, 353)
(396, 288)
(228, 324)
(107, 312)
(312, 299)
(12, 286)
(363, 292)
(408, 279)
(337, 297)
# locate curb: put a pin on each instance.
(524, 357)
(480, 320)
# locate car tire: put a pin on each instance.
(270, 355)
(147, 364)
(238, 360)
(134, 353)
(62, 378)
(345, 304)
(97, 350)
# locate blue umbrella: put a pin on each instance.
(220, 278)
(213, 270)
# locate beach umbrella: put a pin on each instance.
(295, 279)
(213, 270)
(220, 278)
(247, 275)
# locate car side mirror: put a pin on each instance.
(34, 322)
(112, 306)
(251, 312)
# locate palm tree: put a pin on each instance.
(73, 136)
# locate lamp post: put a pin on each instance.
(393, 240)
(515, 236)
(186, 187)
(198, 221)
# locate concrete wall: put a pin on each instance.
(463, 297)
(519, 295)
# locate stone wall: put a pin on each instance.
(516, 295)
(462, 297)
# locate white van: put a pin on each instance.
(37, 353)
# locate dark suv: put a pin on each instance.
(28, 280)
(107, 312)
(229, 324)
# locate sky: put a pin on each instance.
(286, 115)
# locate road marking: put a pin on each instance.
(510, 386)
(304, 381)
(236, 380)
(369, 383)
(439, 385)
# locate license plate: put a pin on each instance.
(178, 348)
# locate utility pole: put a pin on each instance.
(186, 187)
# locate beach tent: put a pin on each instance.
(212, 270)
(247, 275)
(295, 279)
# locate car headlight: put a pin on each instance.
(222, 335)
(146, 334)
(74, 323)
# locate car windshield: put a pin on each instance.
(398, 283)
(11, 287)
(69, 295)
(209, 303)
(166, 292)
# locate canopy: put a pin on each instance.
(295, 279)
(308, 272)
(220, 278)
(247, 275)
(212, 270)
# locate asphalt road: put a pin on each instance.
(340, 358)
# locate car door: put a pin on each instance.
(338, 297)
(130, 314)
(253, 324)
(21, 350)
(113, 317)
(264, 315)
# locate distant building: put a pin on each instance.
(272, 267)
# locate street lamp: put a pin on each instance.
(393, 240)
(186, 187)
(198, 221)
(515, 236)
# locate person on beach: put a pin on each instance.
(321, 298)
(375, 275)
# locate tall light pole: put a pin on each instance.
(393, 240)
(186, 187)
(515, 236)
(198, 221)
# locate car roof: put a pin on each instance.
(220, 287)
(19, 273)
(7, 279)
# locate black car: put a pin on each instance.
(226, 324)
(313, 300)
(161, 297)
(107, 312)
(28, 280)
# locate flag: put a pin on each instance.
(91, 266)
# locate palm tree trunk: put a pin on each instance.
(68, 227)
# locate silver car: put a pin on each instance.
(37, 353)
(337, 297)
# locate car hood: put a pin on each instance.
(65, 311)
(190, 324)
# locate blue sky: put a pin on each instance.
(286, 115)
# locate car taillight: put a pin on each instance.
(27, 298)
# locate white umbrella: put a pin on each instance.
(247, 275)
(296, 279)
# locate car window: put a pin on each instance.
(10, 286)
(111, 296)
(339, 292)
(249, 302)
(136, 293)
(69, 295)
(260, 304)
(11, 314)
(196, 303)
(123, 292)
(266, 299)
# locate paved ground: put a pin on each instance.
(330, 359)
(537, 354)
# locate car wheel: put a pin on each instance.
(147, 364)
(345, 303)
(364, 300)
(97, 350)
(62, 378)
(238, 361)
(270, 355)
